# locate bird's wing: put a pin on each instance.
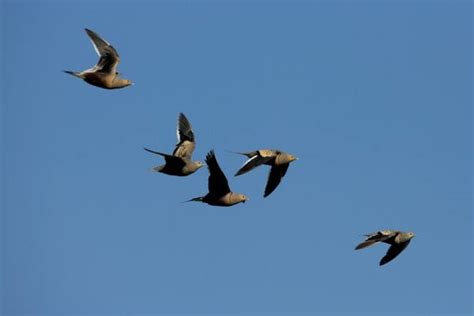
(393, 251)
(274, 178)
(108, 56)
(217, 183)
(255, 160)
(186, 142)
(375, 238)
(172, 162)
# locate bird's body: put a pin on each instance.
(228, 199)
(180, 162)
(219, 191)
(397, 240)
(176, 166)
(104, 74)
(101, 79)
(277, 159)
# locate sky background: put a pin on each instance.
(375, 99)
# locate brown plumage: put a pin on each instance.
(219, 190)
(397, 240)
(180, 163)
(277, 159)
(104, 74)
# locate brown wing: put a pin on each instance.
(186, 143)
(254, 161)
(274, 178)
(109, 57)
(217, 183)
(375, 238)
(172, 162)
(393, 252)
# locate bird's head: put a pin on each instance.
(287, 158)
(292, 158)
(199, 164)
(243, 198)
(410, 235)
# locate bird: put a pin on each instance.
(219, 190)
(277, 159)
(397, 240)
(180, 163)
(104, 74)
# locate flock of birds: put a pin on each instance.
(104, 75)
(180, 163)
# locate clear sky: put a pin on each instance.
(375, 99)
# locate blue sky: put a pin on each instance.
(375, 99)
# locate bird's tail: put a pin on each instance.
(157, 168)
(155, 152)
(249, 154)
(74, 73)
(196, 199)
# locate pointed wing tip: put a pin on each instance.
(268, 192)
(181, 118)
(382, 262)
(210, 153)
(89, 31)
(210, 157)
(184, 120)
(239, 173)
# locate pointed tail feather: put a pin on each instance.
(196, 199)
(157, 168)
(249, 154)
(155, 152)
(73, 73)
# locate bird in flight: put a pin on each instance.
(104, 74)
(219, 190)
(397, 240)
(180, 163)
(277, 159)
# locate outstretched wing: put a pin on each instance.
(108, 56)
(217, 183)
(277, 172)
(393, 252)
(186, 142)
